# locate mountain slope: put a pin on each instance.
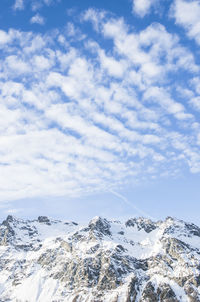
(47, 260)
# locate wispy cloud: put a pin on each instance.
(19, 5)
(35, 4)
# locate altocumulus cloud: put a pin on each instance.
(77, 117)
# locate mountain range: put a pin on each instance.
(139, 260)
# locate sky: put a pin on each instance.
(100, 108)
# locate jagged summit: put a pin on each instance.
(100, 225)
(46, 260)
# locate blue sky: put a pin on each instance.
(100, 105)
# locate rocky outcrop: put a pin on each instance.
(44, 219)
(7, 233)
(99, 226)
(142, 224)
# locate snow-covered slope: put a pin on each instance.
(47, 260)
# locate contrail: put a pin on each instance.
(131, 205)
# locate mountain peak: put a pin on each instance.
(100, 225)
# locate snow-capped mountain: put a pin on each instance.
(47, 260)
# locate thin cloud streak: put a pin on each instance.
(130, 204)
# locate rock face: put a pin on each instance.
(47, 260)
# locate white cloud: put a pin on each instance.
(38, 19)
(115, 68)
(154, 51)
(35, 4)
(4, 37)
(36, 43)
(142, 7)
(195, 102)
(41, 63)
(18, 5)
(187, 14)
(94, 16)
(16, 65)
(159, 95)
(195, 82)
(71, 30)
(198, 139)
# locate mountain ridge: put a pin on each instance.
(47, 260)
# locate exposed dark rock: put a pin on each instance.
(193, 229)
(142, 224)
(149, 294)
(121, 233)
(166, 294)
(100, 225)
(44, 219)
